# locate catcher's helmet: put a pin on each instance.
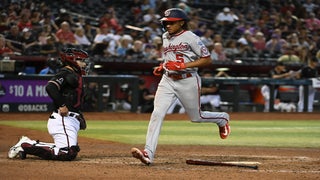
(175, 14)
(70, 56)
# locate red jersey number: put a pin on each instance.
(179, 58)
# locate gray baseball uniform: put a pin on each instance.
(185, 85)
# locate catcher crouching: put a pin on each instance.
(66, 90)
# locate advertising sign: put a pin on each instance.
(24, 96)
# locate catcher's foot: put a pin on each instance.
(141, 155)
(224, 131)
(22, 155)
(14, 150)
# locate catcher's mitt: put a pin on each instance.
(83, 123)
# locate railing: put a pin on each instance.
(236, 82)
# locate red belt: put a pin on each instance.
(179, 76)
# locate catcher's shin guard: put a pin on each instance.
(44, 152)
(67, 154)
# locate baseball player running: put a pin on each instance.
(183, 52)
(65, 89)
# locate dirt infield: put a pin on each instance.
(108, 160)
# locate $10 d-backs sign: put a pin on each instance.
(25, 91)
(24, 96)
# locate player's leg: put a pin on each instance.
(301, 99)
(190, 98)
(312, 92)
(265, 91)
(173, 106)
(163, 99)
(64, 131)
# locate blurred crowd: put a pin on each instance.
(285, 30)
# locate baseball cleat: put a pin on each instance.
(22, 155)
(224, 131)
(141, 155)
(14, 150)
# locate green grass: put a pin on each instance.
(244, 133)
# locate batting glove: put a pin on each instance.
(158, 70)
(175, 66)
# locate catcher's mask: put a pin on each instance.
(70, 56)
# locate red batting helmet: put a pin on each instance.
(175, 14)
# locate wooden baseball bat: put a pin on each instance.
(214, 163)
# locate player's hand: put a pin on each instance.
(158, 70)
(175, 66)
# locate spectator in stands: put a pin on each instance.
(202, 27)
(63, 17)
(4, 50)
(218, 54)
(4, 22)
(65, 35)
(263, 28)
(226, 17)
(30, 43)
(207, 38)
(111, 20)
(136, 51)
(125, 44)
(104, 43)
(150, 52)
(24, 22)
(45, 34)
(293, 40)
(259, 44)
(82, 39)
(289, 57)
(14, 39)
(146, 36)
(275, 45)
(145, 5)
(291, 21)
(90, 31)
(182, 5)
(312, 23)
(307, 72)
(246, 44)
(154, 28)
(150, 16)
(278, 72)
(35, 21)
(310, 6)
(50, 48)
(47, 21)
(157, 43)
(218, 38)
(242, 28)
(13, 10)
(231, 49)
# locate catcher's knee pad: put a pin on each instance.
(40, 151)
(67, 154)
